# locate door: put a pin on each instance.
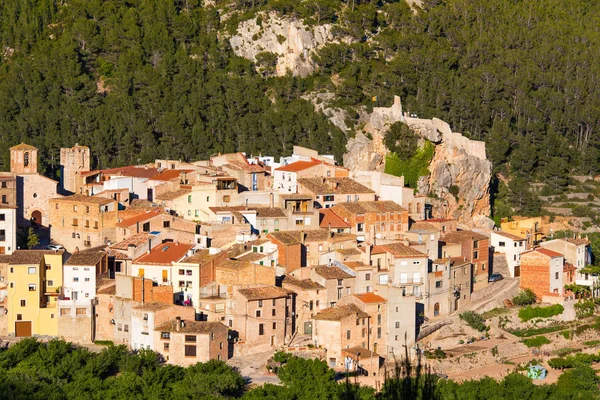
(36, 217)
(150, 194)
(308, 328)
(22, 328)
(141, 273)
(436, 309)
(164, 276)
(517, 271)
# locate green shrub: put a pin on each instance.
(566, 334)
(537, 341)
(412, 168)
(592, 343)
(565, 350)
(474, 320)
(525, 298)
(585, 308)
(571, 361)
(104, 342)
(529, 313)
(538, 331)
(436, 354)
(495, 312)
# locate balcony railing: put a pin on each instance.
(410, 281)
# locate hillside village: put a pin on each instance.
(236, 256)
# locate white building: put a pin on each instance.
(8, 229)
(81, 273)
(576, 252)
(511, 246)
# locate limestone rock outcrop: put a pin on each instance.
(290, 40)
(460, 174)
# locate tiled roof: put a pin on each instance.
(169, 174)
(329, 219)
(4, 258)
(172, 195)
(263, 293)
(344, 185)
(454, 261)
(23, 146)
(370, 298)
(251, 257)
(312, 235)
(509, 236)
(138, 218)
(201, 257)
(423, 226)
(332, 272)
(29, 257)
(89, 257)
(548, 252)
(118, 255)
(462, 236)
(363, 207)
(136, 240)
(339, 313)
(165, 253)
(353, 251)
(578, 241)
(305, 284)
(359, 352)
(81, 198)
(111, 289)
(243, 166)
(398, 250)
(298, 166)
(356, 265)
(268, 212)
(198, 327)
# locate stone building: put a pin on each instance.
(73, 161)
(372, 220)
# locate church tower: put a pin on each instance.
(23, 159)
(73, 162)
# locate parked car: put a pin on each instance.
(495, 277)
(54, 247)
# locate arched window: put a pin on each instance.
(26, 159)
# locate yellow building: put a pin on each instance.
(35, 279)
(527, 228)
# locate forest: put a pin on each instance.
(142, 79)
(57, 370)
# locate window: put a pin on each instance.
(378, 333)
(75, 279)
(190, 351)
(339, 293)
(207, 199)
(31, 270)
(65, 312)
(75, 207)
(19, 317)
(75, 222)
(483, 267)
(119, 327)
(261, 329)
(258, 313)
(146, 227)
(23, 303)
(360, 227)
(348, 334)
(274, 302)
(476, 244)
(190, 338)
(83, 311)
(2, 217)
(340, 282)
(50, 283)
(397, 324)
(299, 221)
(32, 287)
(274, 325)
(95, 224)
(378, 319)
(273, 312)
(189, 198)
(438, 284)
(555, 277)
(260, 303)
(475, 254)
(125, 328)
(367, 277)
(87, 279)
(166, 224)
(189, 213)
(166, 346)
(165, 335)
(502, 244)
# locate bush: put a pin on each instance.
(104, 342)
(538, 331)
(566, 334)
(565, 350)
(572, 361)
(592, 343)
(525, 298)
(537, 341)
(529, 313)
(474, 320)
(585, 309)
(436, 354)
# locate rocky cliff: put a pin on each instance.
(290, 40)
(459, 179)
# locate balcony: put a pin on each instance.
(409, 281)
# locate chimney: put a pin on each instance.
(178, 323)
(77, 249)
(271, 200)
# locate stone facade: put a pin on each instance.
(73, 161)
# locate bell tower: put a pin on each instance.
(23, 159)
(73, 161)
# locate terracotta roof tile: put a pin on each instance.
(172, 195)
(312, 235)
(132, 171)
(339, 313)
(81, 198)
(29, 257)
(370, 297)
(332, 272)
(201, 257)
(298, 166)
(462, 236)
(198, 327)
(509, 236)
(398, 250)
(23, 146)
(548, 252)
(263, 293)
(165, 253)
(89, 257)
(153, 306)
(305, 284)
(268, 212)
(138, 218)
(170, 174)
(363, 207)
(136, 240)
(329, 219)
(110, 290)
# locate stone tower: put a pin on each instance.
(73, 162)
(23, 159)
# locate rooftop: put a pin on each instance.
(89, 257)
(138, 218)
(359, 353)
(332, 272)
(329, 219)
(344, 185)
(81, 198)
(165, 253)
(110, 290)
(423, 226)
(370, 297)
(268, 212)
(548, 252)
(132, 171)
(251, 256)
(305, 284)
(312, 235)
(339, 313)
(153, 306)
(170, 174)
(363, 207)
(298, 166)
(509, 236)
(29, 257)
(172, 195)
(135, 240)
(264, 293)
(201, 257)
(245, 166)
(198, 327)
(398, 250)
(23, 146)
(462, 236)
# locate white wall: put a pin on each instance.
(9, 225)
(285, 182)
(138, 325)
(86, 284)
(512, 249)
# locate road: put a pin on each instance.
(253, 368)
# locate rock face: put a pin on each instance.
(460, 172)
(293, 42)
